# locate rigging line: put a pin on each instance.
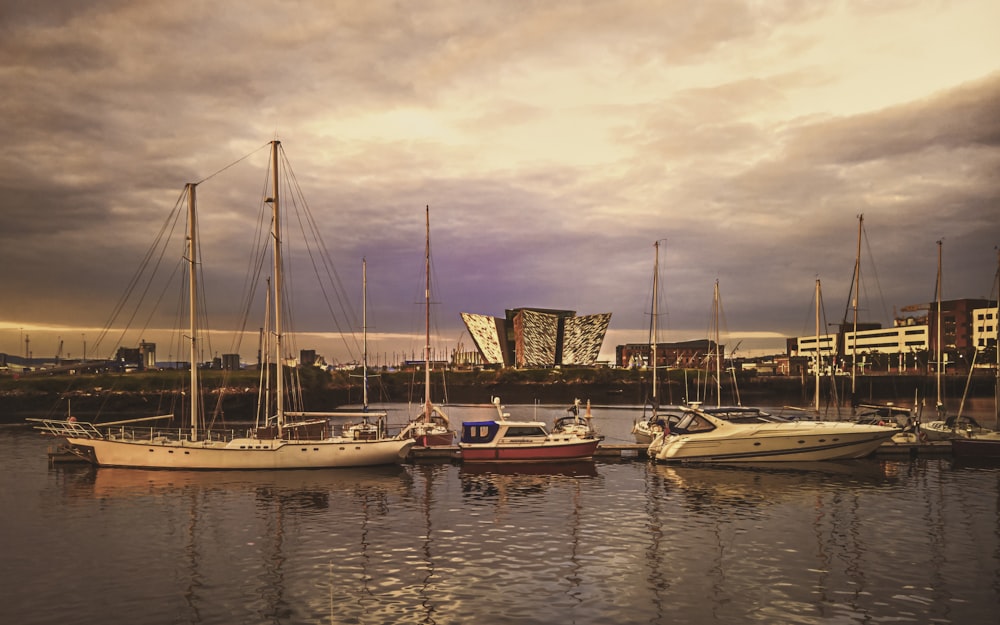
(257, 256)
(234, 163)
(324, 253)
(206, 334)
(144, 265)
(436, 317)
(256, 259)
(850, 293)
(316, 270)
(326, 260)
(156, 306)
(878, 284)
(123, 299)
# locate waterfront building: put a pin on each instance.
(957, 321)
(538, 337)
(966, 324)
(697, 354)
(984, 327)
(140, 358)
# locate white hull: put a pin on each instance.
(242, 453)
(784, 442)
(644, 433)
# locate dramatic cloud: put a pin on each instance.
(554, 142)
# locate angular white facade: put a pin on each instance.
(534, 337)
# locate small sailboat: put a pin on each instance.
(504, 440)
(944, 427)
(365, 429)
(648, 428)
(431, 428)
(985, 444)
(575, 423)
(295, 440)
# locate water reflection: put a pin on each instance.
(749, 525)
(294, 490)
(707, 487)
(215, 525)
(499, 482)
(623, 542)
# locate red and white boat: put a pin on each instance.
(503, 440)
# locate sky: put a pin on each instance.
(554, 142)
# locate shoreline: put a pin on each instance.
(124, 395)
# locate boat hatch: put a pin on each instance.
(479, 431)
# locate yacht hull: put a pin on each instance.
(550, 451)
(764, 446)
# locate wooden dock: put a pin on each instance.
(634, 451)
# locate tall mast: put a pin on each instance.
(652, 334)
(718, 362)
(854, 303)
(276, 234)
(427, 319)
(192, 253)
(937, 297)
(364, 332)
(266, 353)
(818, 351)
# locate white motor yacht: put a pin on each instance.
(739, 434)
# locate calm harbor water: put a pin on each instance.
(874, 541)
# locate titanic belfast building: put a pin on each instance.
(538, 337)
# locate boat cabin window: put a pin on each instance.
(525, 431)
(479, 431)
(692, 423)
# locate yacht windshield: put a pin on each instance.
(744, 415)
(691, 423)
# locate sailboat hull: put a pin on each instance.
(241, 454)
(983, 447)
(435, 440)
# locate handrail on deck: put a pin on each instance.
(63, 427)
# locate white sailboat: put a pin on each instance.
(431, 428)
(944, 427)
(978, 442)
(289, 444)
(648, 428)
